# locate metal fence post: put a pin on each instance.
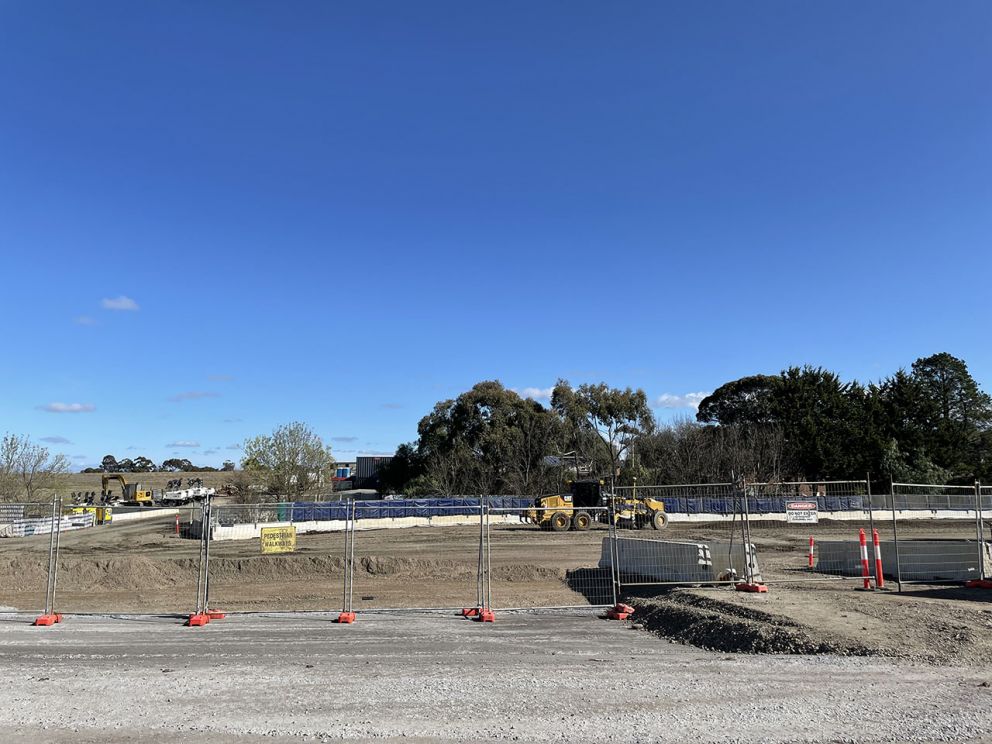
(614, 553)
(58, 544)
(895, 533)
(979, 530)
(51, 560)
(746, 536)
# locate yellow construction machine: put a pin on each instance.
(132, 493)
(584, 503)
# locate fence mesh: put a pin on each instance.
(536, 564)
(427, 553)
(410, 557)
(304, 570)
(938, 533)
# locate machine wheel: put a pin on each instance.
(581, 521)
(560, 522)
(659, 520)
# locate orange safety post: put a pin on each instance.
(810, 552)
(864, 559)
(879, 578)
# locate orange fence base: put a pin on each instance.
(49, 619)
(471, 611)
(346, 617)
(754, 588)
(198, 620)
(619, 611)
(486, 616)
(979, 584)
(216, 614)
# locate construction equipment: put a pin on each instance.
(574, 510)
(132, 494)
(176, 495)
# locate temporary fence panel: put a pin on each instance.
(698, 539)
(409, 556)
(276, 557)
(809, 531)
(550, 557)
(132, 559)
(937, 530)
(25, 542)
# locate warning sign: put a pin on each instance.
(278, 539)
(801, 512)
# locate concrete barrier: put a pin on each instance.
(642, 560)
(253, 530)
(919, 560)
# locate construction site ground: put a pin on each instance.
(420, 677)
(144, 567)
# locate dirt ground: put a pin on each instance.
(145, 567)
(555, 676)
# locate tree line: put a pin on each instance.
(141, 464)
(931, 424)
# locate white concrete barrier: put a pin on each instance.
(253, 530)
(649, 561)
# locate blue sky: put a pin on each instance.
(217, 218)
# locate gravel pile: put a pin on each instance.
(709, 623)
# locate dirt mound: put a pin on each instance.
(720, 626)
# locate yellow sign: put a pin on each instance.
(278, 539)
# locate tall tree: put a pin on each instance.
(487, 440)
(27, 468)
(617, 417)
(292, 461)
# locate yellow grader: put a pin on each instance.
(584, 503)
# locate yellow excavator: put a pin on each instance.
(575, 510)
(132, 493)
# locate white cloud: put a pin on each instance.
(84, 320)
(344, 439)
(183, 443)
(232, 421)
(118, 303)
(67, 407)
(80, 457)
(234, 446)
(193, 395)
(55, 440)
(535, 393)
(220, 378)
(689, 400)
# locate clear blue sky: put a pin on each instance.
(344, 214)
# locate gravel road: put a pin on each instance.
(547, 677)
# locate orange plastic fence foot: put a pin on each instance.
(197, 620)
(486, 616)
(979, 584)
(755, 588)
(49, 619)
(471, 612)
(619, 611)
(346, 617)
(216, 614)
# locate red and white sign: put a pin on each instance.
(801, 512)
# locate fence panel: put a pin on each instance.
(700, 540)
(938, 530)
(277, 557)
(119, 559)
(417, 556)
(810, 531)
(534, 564)
(25, 539)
